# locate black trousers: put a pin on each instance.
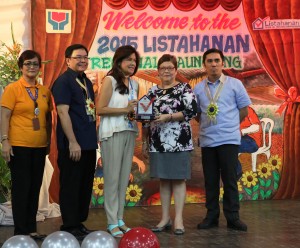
(76, 183)
(27, 170)
(221, 161)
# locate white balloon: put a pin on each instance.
(99, 239)
(60, 239)
(20, 241)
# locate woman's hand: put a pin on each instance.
(6, 150)
(131, 105)
(162, 118)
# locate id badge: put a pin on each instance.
(36, 124)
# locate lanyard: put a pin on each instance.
(36, 110)
(33, 98)
(83, 86)
(213, 99)
(131, 92)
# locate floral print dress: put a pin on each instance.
(174, 136)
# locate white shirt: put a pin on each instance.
(111, 124)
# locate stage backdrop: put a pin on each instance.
(257, 38)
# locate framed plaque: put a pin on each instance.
(145, 110)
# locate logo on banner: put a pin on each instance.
(58, 21)
(267, 23)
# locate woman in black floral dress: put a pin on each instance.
(168, 139)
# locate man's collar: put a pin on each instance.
(76, 74)
(222, 79)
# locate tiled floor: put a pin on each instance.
(271, 224)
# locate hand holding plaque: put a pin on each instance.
(145, 110)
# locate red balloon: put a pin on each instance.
(139, 237)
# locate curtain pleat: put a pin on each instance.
(279, 52)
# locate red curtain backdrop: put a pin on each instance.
(85, 20)
(279, 52)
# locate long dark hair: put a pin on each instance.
(121, 53)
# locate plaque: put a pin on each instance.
(145, 110)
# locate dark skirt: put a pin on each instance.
(170, 165)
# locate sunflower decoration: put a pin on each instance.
(249, 178)
(240, 187)
(275, 162)
(133, 193)
(98, 185)
(264, 170)
(212, 111)
(90, 108)
(221, 193)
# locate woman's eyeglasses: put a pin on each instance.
(163, 69)
(31, 64)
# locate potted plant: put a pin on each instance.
(9, 72)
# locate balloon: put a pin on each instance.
(60, 239)
(20, 241)
(99, 239)
(139, 237)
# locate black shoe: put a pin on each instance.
(179, 231)
(208, 223)
(237, 225)
(167, 226)
(75, 232)
(84, 230)
(37, 236)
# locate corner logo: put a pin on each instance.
(58, 21)
(267, 23)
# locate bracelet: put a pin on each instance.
(171, 119)
(4, 137)
(145, 142)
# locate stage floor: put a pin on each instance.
(270, 224)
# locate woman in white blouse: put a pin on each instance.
(117, 133)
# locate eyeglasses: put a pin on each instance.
(163, 69)
(79, 58)
(31, 64)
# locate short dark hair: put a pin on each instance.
(213, 50)
(29, 54)
(167, 58)
(70, 49)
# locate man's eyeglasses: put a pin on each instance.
(80, 58)
(31, 64)
(163, 69)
